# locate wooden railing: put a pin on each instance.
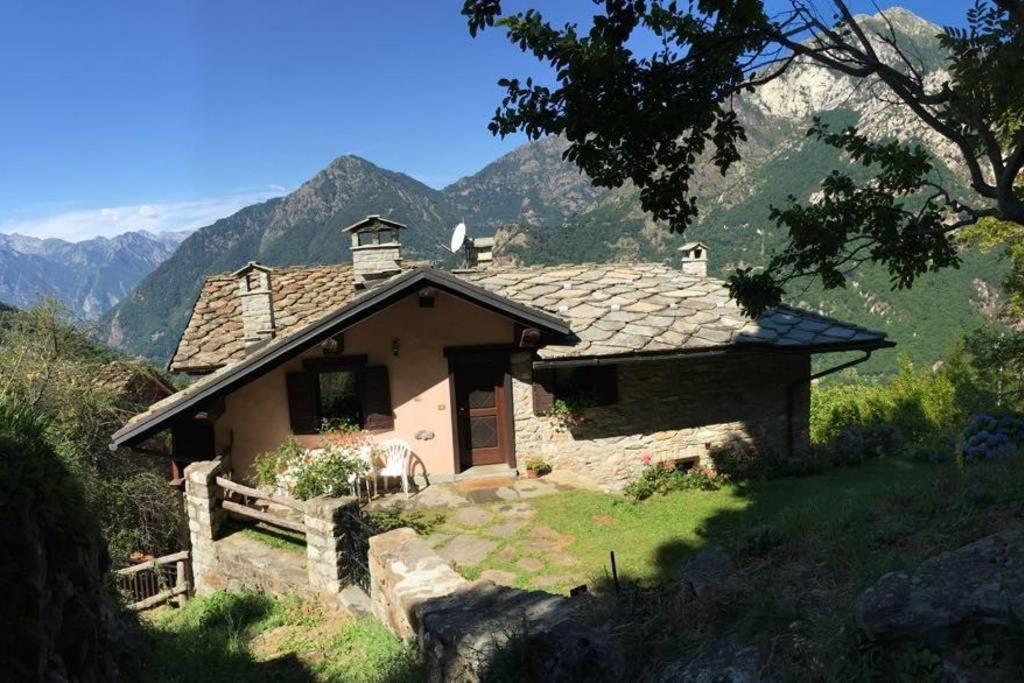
(154, 582)
(245, 510)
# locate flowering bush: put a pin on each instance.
(665, 477)
(988, 438)
(295, 471)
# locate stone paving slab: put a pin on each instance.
(499, 577)
(473, 516)
(530, 564)
(506, 529)
(467, 550)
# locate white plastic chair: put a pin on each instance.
(396, 462)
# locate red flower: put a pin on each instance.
(646, 459)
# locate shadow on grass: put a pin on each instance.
(804, 548)
(207, 640)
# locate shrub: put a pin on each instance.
(537, 464)
(739, 460)
(663, 478)
(296, 471)
(742, 460)
(987, 437)
(918, 408)
(49, 365)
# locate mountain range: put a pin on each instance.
(86, 277)
(544, 210)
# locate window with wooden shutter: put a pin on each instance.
(303, 411)
(376, 395)
(543, 392)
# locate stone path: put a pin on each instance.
(490, 533)
(502, 542)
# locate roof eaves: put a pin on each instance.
(702, 352)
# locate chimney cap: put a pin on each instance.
(251, 265)
(371, 220)
(691, 246)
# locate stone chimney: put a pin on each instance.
(376, 249)
(694, 259)
(255, 294)
(480, 252)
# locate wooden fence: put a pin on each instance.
(155, 581)
(244, 509)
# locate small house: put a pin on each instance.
(596, 368)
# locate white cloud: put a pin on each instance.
(155, 217)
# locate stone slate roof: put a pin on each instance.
(621, 309)
(268, 354)
(613, 309)
(301, 294)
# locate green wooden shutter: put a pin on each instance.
(376, 394)
(302, 402)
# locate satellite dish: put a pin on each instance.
(458, 237)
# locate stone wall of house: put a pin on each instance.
(669, 410)
(460, 625)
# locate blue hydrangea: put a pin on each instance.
(989, 438)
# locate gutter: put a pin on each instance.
(747, 347)
(792, 387)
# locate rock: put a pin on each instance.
(569, 651)
(464, 634)
(424, 435)
(981, 584)
(729, 660)
(705, 571)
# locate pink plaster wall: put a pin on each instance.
(255, 419)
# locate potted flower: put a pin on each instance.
(536, 467)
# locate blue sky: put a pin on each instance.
(126, 115)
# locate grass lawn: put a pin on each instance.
(851, 517)
(250, 636)
(652, 539)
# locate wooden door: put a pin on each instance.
(481, 410)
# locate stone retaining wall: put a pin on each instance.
(326, 557)
(670, 410)
(234, 563)
(460, 625)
